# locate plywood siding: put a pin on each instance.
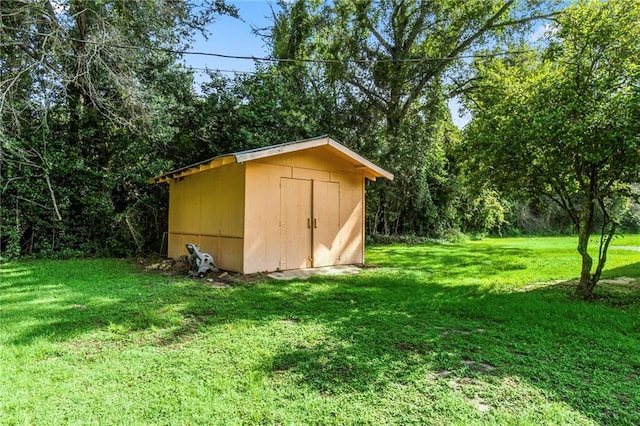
(270, 244)
(207, 208)
(315, 159)
(226, 251)
(351, 233)
(326, 236)
(262, 216)
(296, 216)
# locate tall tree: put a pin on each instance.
(391, 57)
(79, 106)
(566, 123)
(392, 51)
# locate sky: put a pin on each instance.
(232, 36)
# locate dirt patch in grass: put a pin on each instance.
(463, 332)
(621, 281)
(180, 267)
(633, 377)
(440, 374)
(482, 367)
(458, 383)
(464, 385)
(479, 404)
(418, 348)
(633, 248)
(544, 284)
(618, 282)
(217, 284)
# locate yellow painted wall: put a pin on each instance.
(351, 237)
(234, 212)
(207, 209)
(226, 251)
(264, 249)
(262, 216)
(322, 158)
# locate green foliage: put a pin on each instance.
(89, 104)
(84, 120)
(385, 62)
(630, 222)
(478, 333)
(265, 108)
(564, 123)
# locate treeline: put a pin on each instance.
(94, 101)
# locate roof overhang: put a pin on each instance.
(369, 170)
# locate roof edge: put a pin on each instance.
(269, 151)
(379, 171)
(211, 163)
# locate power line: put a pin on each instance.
(290, 60)
(325, 61)
(203, 70)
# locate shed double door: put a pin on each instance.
(309, 223)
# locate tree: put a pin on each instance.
(387, 60)
(83, 115)
(264, 108)
(566, 122)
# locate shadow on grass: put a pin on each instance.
(381, 329)
(578, 353)
(630, 270)
(58, 300)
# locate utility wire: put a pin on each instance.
(334, 61)
(286, 60)
(320, 61)
(204, 70)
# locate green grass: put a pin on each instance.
(442, 334)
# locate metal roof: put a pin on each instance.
(371, 171)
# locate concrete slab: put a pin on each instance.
(303, 274)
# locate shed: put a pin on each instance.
(289, 206)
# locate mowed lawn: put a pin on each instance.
(486, 332)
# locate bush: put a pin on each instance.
(450, 236)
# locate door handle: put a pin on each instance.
(309, 222)
(315, 222)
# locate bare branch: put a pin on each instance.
(370, 94)
(379, 37)
(18, 197)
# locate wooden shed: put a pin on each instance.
(289, 206)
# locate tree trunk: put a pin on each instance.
(585, 226)
(604, 247)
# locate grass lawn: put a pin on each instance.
(485, 332)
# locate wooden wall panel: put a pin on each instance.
(184, 207)
(206, 205)
(262, 216)
(296, 223)
(231, 196)
(227, 252)
(327, 248)
(320, 158)
(309, 174)
(351, 238)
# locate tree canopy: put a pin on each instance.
(565, 122)
(87, 92)
(389, 61)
